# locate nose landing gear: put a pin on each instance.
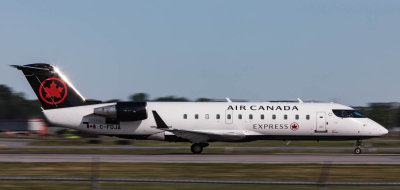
(357, 150)
(197, 148)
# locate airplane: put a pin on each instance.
(196, 122)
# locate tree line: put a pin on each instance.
(145, 97)
(387, 116)
(15, 106)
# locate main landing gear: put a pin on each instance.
(197, 148)
(357, 150)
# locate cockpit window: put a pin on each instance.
(348, 114)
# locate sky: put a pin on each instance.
(342, 51)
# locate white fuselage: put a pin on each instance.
(254, 120)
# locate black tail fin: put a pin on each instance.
(51, 87)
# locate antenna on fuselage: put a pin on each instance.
(300, 101)
(228, 100)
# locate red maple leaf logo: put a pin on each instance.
(294, 126)
(53, 91)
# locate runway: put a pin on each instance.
(24, 144)
(203, 158)
(208, 158)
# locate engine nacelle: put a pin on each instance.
(124, 111)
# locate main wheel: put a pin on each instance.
(357, 150)
(196, 148)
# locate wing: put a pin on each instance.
(196, 136)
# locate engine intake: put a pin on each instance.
(124, 111)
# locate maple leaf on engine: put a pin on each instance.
(53, 91)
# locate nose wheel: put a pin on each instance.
(197, 148)
(357, 150)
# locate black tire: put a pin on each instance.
(357, 150)
(196, 148)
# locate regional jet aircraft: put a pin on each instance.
(196, 122)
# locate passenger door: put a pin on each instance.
(321, 123)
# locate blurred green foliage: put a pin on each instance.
(385, 115)
(139, 97)
(171, 99)
(15, 106)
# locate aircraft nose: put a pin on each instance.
(380, 130)
(383, 130)
(377, 129)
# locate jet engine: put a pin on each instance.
(124, 111)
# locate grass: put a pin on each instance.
(252, 172)
(156, 186)
(262, 172)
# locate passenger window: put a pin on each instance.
(229, 116)
(184, 116)
(196, 116)
(297, 117)
(308, 117)
(274, 116)
(207, 116)
(262, 116)
(251, 116)
(240, 116)
(285, 117)
(218, 116)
